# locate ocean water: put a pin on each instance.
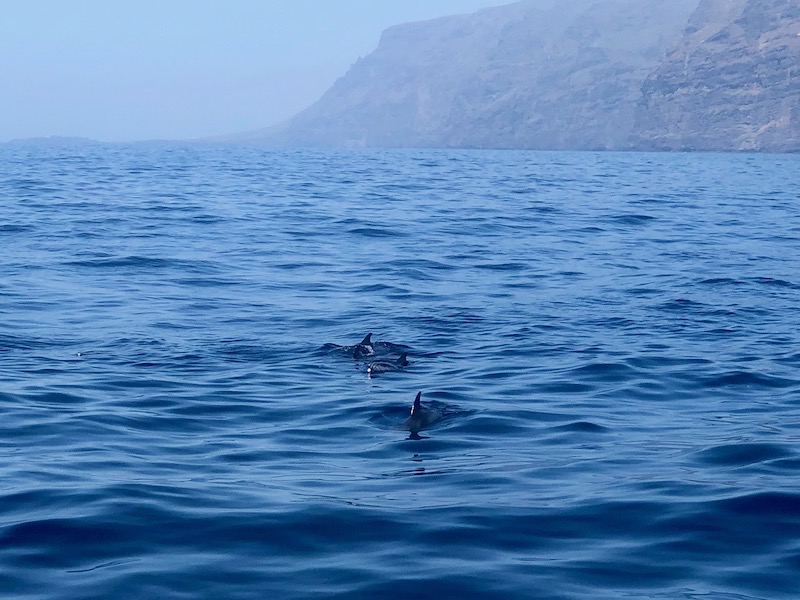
(613, 341)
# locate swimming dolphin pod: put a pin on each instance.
(383, 361)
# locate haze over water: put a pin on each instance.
(121, 72)
(614, 336)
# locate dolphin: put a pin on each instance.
(384, 366)
(364, 347)
(421, 417)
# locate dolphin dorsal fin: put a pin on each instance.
(367, 341)
(417, 406)
(403, 360)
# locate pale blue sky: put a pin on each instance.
(132, 70)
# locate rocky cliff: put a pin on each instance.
(578, 75)
(731, 83)
(535, 74)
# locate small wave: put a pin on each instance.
(762, 281)
(781, 283)
(565, 387)
(632, 219)
(682, 305)
(765, 504)
(55, 399)
(297, 266)
(374, 232)
(506, 266)
(378, 288)
(419, 263)
(15, 229)
(582, 427)
(207, 282)
(207, 219)
(791, 359)
(496, 425)
(44, 532)
(750, 379)
(13, 342)
(148, 263)
(104, 565)
(122, 262)
(607, 372)
(720, 281)
(741, 454)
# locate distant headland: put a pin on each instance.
(52, 140)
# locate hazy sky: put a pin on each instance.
(144, 69)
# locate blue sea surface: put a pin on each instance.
(613, 341)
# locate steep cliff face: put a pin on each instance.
(584, 74)
(731, 83)
(535, 74)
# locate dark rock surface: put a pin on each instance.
(731, 83)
